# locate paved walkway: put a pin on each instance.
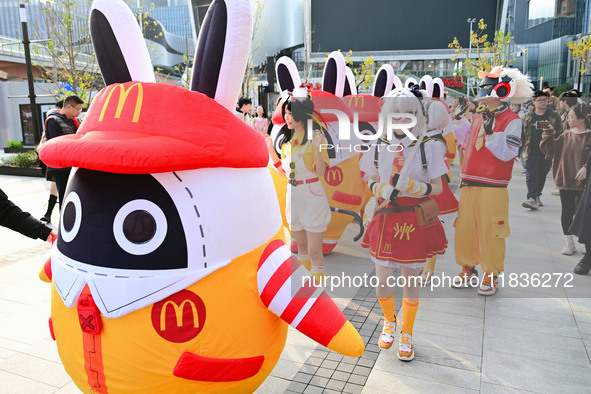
(525, 338)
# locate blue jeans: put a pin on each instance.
(536, 170)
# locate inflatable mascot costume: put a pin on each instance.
(493, 144)
(169, 273)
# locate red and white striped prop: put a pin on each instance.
(286, 290)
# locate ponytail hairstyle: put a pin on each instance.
(437, 116)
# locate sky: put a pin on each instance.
(541, 8)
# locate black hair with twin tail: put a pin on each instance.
(302, 109)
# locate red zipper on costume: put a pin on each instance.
(90, 323)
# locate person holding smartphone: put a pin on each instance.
(537, 165)
(569, 152)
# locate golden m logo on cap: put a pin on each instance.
(356, 99)
(123, 94)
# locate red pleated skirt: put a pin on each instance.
(396, 237)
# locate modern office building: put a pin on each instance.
(169, 49)
(415, 42)
(412, 36)
(544, 27)
(179, 21)
(170, 37)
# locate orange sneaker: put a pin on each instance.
(489, 285)
(467, 278)
(405, 349)
(387, 336)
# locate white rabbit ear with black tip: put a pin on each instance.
(120, 48)
(438, 88)
(222, 51)
(383, 82)
(288, 77)
(426, 84)
(334, 75)
(409, 82)
(350, 85)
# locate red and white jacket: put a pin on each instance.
(493, 163)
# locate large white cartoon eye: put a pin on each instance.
(140, 227)
(71, 217)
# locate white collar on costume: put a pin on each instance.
(237, 212)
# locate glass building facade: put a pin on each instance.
(38, 22)
(543, 27)
(173, 16)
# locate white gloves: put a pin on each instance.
(411, 186)
(383, 190)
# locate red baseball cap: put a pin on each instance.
(366, 105)
(142, 128)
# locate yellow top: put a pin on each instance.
(294, 148)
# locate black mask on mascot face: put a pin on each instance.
(494, 87)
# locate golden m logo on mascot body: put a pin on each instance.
(178, 312)
(180, 317)
(333, 176)
(123, 94)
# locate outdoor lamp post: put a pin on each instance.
(470, 21)
(32, 97)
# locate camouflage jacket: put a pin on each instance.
(529, 127)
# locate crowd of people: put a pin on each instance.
(255, 116)
(507, 120)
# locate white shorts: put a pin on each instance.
(307, 208)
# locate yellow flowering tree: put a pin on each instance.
(484, 54)
(364, 72)
(580, 51)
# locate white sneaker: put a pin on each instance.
(405, 350)
(426, 275)
(569, 245)
(531, 203)
(387, 336)
(488, 286)
(539, 201)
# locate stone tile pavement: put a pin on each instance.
(524, 339)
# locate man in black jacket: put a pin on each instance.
(14, 218)
(62, 124)
(537, 165)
